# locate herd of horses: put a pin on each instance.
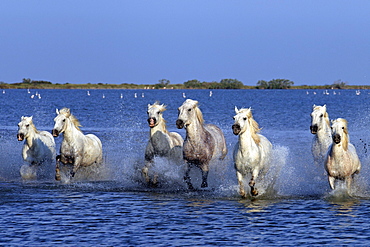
(203, 145)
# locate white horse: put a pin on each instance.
(38, 148)
(320, 127)
(203, 142)
(162, 143)
(76, 148)
(252, 151)
(342, 161)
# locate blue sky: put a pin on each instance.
(143, 41)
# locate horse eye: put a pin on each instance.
(159, 112)
(234, 118)
(189, 109)
(321, 115)
(244, 118)
(27, 125)
(64, 120)
(342, 128)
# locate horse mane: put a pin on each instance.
(67, 112)
(198, 112)
(32, 125)
(161, 108)
(326, 115)
(255, 129)
(345, 136)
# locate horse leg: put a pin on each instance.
(331, 182)
(76, 165)
(204, 179)
(252, 183)
(145, 172)
(241, 185)
(187, 178)
(348, 182)
(57, 169)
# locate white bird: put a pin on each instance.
(183, 95)
(88, 93)
(121, 96)
(103, 96)
(142, 95)
(210, 93)
(135, 95)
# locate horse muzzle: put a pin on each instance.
(236, 129)
(152, 122)
(314, 129)
(55, 132)
(20, 137)
(179, 124)
(336, 138)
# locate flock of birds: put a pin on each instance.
(38, 95)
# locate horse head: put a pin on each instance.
(188, 113)
(319, 117)
(243, 121)
(155, 114)
(64, 115)
(340, 132)
(24, 126)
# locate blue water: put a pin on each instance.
(296, 207)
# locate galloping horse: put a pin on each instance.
(252, 151)
(320, 127)
(162, 143)
(342, 161)
(38, 148)
(76, 148)
(203, 142)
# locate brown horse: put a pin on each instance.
(203, 142)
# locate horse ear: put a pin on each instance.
(236, 110)
(57, 111)
(31, 117)
(314, 106)
(163, 108)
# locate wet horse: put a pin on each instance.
(76, 149)
(203, 142)
(252, 151)
(320, 127)
(38, 148)
(162, 143)
(342, 161)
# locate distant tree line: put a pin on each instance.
(275, 84)
(223, 84)
(29, 81)
(191, 84)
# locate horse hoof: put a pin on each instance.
(254, 192)
(190, 187)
